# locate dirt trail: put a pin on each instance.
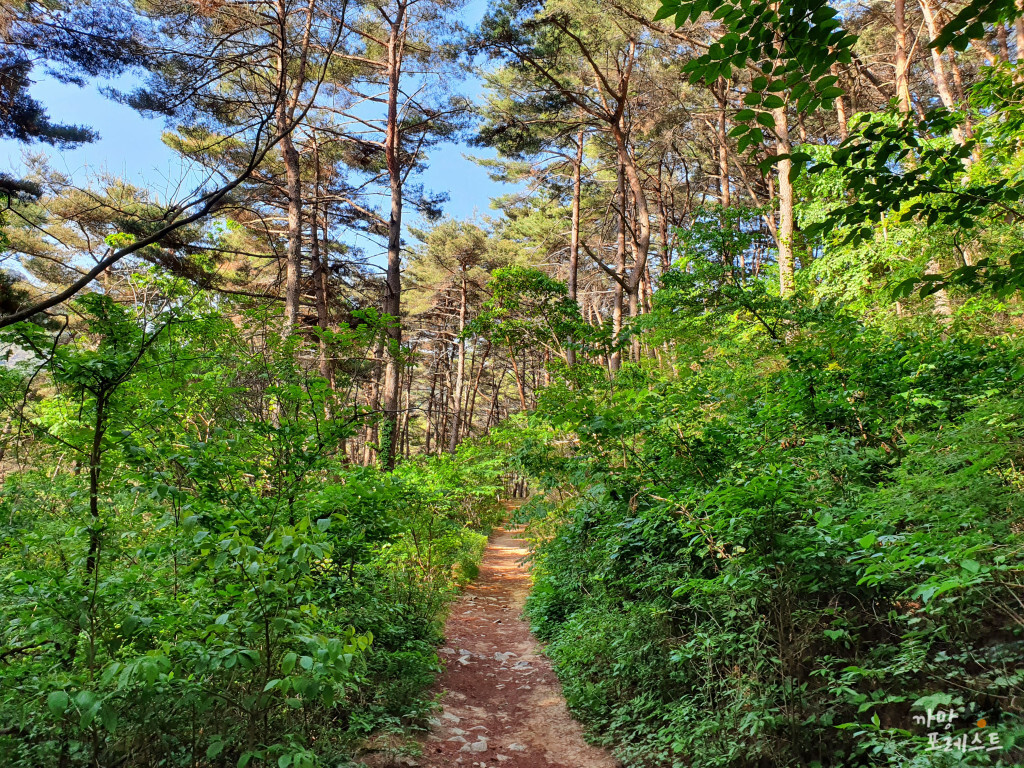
(503, 705)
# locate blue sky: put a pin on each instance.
(130, 147)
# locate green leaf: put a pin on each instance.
(867, 541)
(57, 702)
(89, 705)
(971, 566)
(666, 10)
(288, 662)
(109, 718)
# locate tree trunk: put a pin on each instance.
(666, 248)
(293, 191)
(519, 377)
(1018, 28)
(902, 63)
(574, 237)
(724, 192)
(721, 94)
(430, 409)
(292, 187)
(373, 402)
(494, 399)
(320, 293)
(95, 462)
(1001, 41)
(476, 388)
(620, 270)
(642, 225)
(841, 117)
(787, 276)
(634, 312)
(393, 292)
(938, 68)
(460, 369)
(407, 410)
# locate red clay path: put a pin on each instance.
(503, 706)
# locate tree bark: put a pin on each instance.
(95, 464)
(320, 294)
(1001, 41)
(293, 178)
(293, 254)
(476, 388)
(430, 409)
(393, 280)
(938, 67)
(519, 378)
(574, 236)
(721, 95)
(902, 63)
(615, 362)
(724, 191)
(1018, 28)
(841, 117)
(642, 224)
(460, 369)
(373, 401)
(787, 277)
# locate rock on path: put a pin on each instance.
(503, 705)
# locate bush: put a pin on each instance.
(781, 552)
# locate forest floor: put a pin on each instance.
(502, 704)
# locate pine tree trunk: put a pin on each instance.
(430, 410)
(460, 369)
(1001, 41)
(939, 68)
(724, 192)
(841, 117)
(476, 388)
(902, 63)
(1018, 28)
(320, 294)
(574, 237)
(293, 184)
(787, 277)
(615, 363)
(393, 293)
(293, 254)
(373, 402)
(642, 223)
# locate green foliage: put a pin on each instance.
(228, 592)
(795, 45)
(528, 309)
(782, 547)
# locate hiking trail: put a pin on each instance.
(502, 704)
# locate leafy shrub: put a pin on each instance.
(782, 548)
(225, 595)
